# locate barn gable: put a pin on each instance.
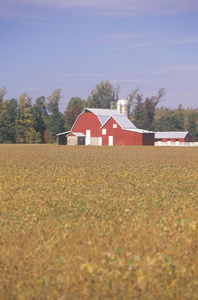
(123, 121)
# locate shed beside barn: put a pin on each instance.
(76, 138)
(62, 138)
(176, 138)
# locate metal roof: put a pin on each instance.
(140, 130)
(78, 134)
(171, 134)
(65, 132)
(104, 112)
(124, 122)
(103, 119)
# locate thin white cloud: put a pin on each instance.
(81, 74)
(128, 81)
(7, 73)
(129, 47)
(29, 89)
(108, 8)
(120, 38)
(183, 40)
(183, 70)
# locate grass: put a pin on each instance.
(98, 222)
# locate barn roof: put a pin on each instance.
(140, 130)
(171, 134)
(78, 134)
(103, 111)
(61, 133)
(105, 114)
(122, 120)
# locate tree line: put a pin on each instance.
(22, 121)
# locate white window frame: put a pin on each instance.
(115, 125)
(104, 131)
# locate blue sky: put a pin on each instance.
(76, 44)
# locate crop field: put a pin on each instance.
(98, 222)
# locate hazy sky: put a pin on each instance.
(76, 44)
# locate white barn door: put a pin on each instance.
(110, 140)
(100, 141)
(88, 137)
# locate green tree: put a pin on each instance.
(55, 119)
(40, 112)
(131, 98)
(144, 111)
(70, 116)
(103, 96)
(25, 132)
(75, 106)
(180, 117)
(138, 111)
(192, 126)
(8, 116)
(170, 123)
(76, 101)
(3, 92)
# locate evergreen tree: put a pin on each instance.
(40, 112)
(180, 118)
(138, 112)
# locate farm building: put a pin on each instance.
(110, 127)
(174, 138)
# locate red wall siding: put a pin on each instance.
(88, 121)
(173, 140)
(119, 135)
(190, 138)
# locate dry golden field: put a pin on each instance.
(98, 222)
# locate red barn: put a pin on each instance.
(106, 127)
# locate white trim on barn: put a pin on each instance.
(174, 138)
(88, 137)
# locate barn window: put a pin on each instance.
(186, 139)
(104, 131)
(114, 125)
(191, 139)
